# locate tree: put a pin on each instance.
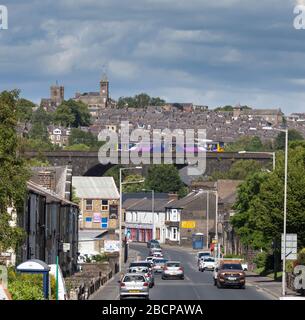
(240, 170)
(260, 202)
(13, 171)
(25, 110)
(225, 108)
(247, 143)
(40, 120)
(78, 136)
(141, 100)
(163, 178)
(293, 135)
(72, 114)
(133, 187)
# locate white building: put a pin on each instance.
(172, 225)
(141, 224)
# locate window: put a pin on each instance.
(104, 223)
(89, 205)
(104, 204)
(174, 233)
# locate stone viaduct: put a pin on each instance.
(87, 163)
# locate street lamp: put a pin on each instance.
(285, 209)
(261, 152)
(152, 210)
(216, 217)
(120, 219)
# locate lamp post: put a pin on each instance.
(153, 211)
(120, 219)
(216, 216)
(285, 210)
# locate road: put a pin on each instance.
(196, 285)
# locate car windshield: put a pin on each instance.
(231, 266)
(173, 264)
(138, 269)
(135, 278)
(202, 254)
(160, 261)
(140, 264)
(209, 260)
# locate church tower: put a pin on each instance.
(104, 90)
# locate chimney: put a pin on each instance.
(172, 196)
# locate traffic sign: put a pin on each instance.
(291, 246)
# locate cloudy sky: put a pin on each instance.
(203, 51)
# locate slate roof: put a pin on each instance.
(95, 188)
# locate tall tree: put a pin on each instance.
(164, 178)
(263, 204)
(40, 120)
(25, 110)
(13, 171)
(293, 135)
(72, 114)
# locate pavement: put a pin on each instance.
(110, 290)
(268, 285)
(196, 285)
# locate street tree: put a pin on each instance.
(164, 178)
(13, 171)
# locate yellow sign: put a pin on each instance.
(214, 241)
(188, 224)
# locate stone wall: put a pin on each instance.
(91, 277)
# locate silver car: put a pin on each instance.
(159, 264)
(148, 274)
(134, 285)
(173, 269)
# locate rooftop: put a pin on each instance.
(95, 188)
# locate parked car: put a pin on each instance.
(201, 255)
(148, 274)
(207, 263)
(134, 285)
(153, 243)
(173, 269)
(231, 274)
(159, 264)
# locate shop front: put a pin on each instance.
(139, 232)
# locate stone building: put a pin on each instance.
(96, 101)
(57, 96)
(99, 202)
(273, 116)
(59, 135)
